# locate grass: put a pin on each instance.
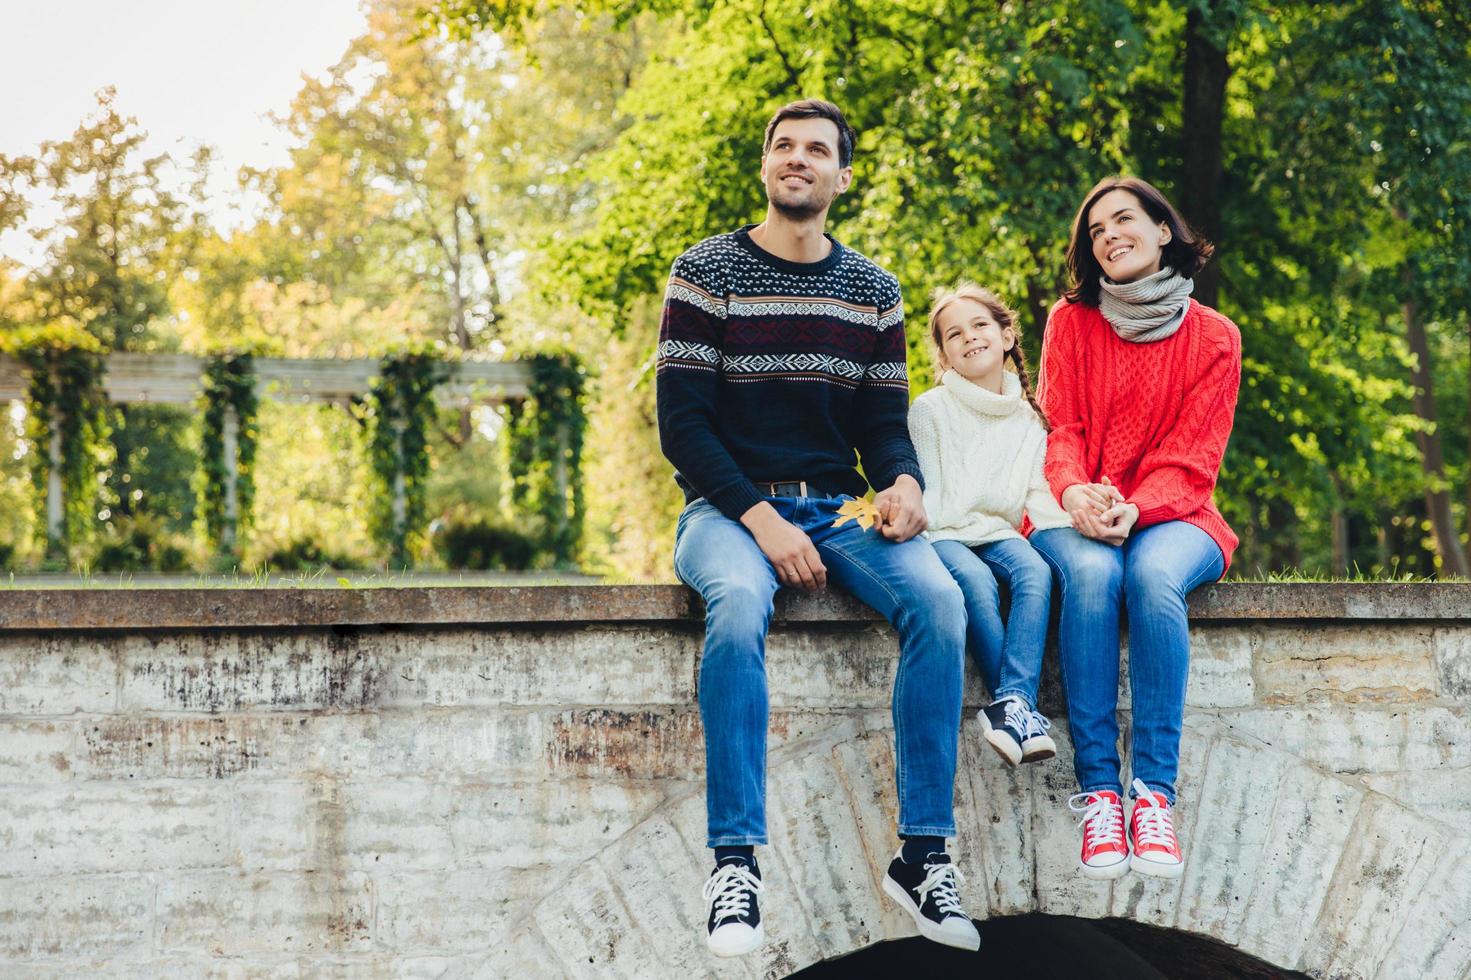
(319, 579)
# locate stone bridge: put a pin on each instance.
(507, 782)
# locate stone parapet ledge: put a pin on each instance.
(249, 608)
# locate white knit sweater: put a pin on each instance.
(981, 454)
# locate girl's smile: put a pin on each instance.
(972, 344)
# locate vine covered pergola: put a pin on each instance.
(66, 387)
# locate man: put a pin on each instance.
(781, 352)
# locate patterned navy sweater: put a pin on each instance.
(773, 370)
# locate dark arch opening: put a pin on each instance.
(1043, 947)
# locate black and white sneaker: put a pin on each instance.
(733, 927)
(1005, 722)
(1038, 745)
(928, 892)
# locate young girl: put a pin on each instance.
(1140, 383)
(981, 441)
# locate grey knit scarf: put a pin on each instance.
(1146, 309)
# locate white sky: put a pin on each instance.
(190, 72)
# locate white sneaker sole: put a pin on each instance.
(928, 929)
(1042, 748)
(1156, 869)
(1105, 872)
(1005, 746)
(737, 940)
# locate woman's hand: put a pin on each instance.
(1099, 511)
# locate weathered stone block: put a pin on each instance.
(452, 910)
(56, 675)
(75, 918)
(551, 824)
(1453, 660)
(323, 824)
(311, 669)
(812, 824)
(866, 766)
(1232, 825)
(242, 915)
(35, 751)
(522, 953)
(1388, 859)
(81, 828)
(601, 665)
(999, 831)
(591, 932)
(660, 879)
(1344, 663)
(1368, 738)
(1439, 794)
(1435, 943)
(184, 747)
(843, 668)
(1310, 825)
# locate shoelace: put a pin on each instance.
(1102, 822)
(1037, 724)
(1019, 717)
(1153, 823)
(730, 889)
(942, 879)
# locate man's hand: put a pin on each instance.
(787, 547)
(902, 508)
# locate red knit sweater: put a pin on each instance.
(1154, 418)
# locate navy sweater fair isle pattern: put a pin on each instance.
(770, 370)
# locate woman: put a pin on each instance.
(1139, 382)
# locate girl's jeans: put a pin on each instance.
(1010, 656)
(906, 583)
(1151, 573)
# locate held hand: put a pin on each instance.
(1097, 497)
(1112, 526)
(902, 508)
(787, 547)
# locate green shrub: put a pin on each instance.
(141, 543)
(306, 555)
(485, 545)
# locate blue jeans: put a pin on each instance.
(906, 583)
(1010, 656)
(1151, 573)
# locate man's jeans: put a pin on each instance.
(906, 583)
(1010, 656)
(1151, 573)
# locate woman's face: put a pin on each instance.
(972, 344)
(1125, 242)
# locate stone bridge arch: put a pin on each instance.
(1294, 865)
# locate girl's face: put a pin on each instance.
(972, 344)
(1125, 242)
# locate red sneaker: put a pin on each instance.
(1152, 834)
(1105, 852)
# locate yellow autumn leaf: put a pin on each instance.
(861, 510)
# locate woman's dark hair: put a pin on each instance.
(815, 109)
(1185, 252)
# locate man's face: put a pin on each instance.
(800, 170)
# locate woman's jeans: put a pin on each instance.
(1009, 656)
(906, 583)
(1151, 573)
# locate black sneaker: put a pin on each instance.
(1038, 745)
(734, 924)
(1005, 723)
(928, 893)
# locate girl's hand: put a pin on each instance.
(1118, 521)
